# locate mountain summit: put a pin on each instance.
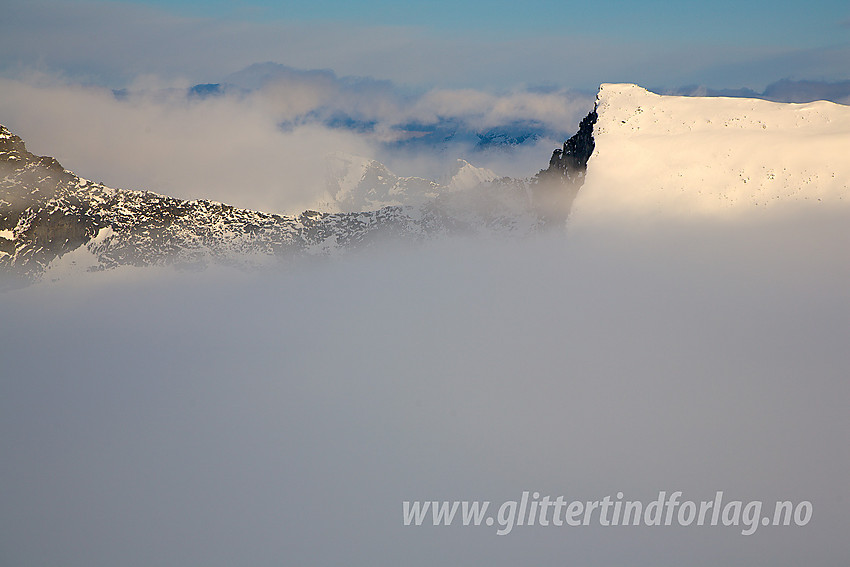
(689, 157)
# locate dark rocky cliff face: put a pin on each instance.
(555, 188)
(571, 161)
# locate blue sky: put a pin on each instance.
(750, 23)
(494, 44)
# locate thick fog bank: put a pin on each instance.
(214, 418)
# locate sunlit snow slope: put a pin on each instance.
(672, 156)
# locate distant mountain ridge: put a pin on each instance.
(784, 90)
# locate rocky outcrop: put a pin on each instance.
(571, 160)
(40, 217)
(555, 188)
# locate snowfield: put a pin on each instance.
(672, 156)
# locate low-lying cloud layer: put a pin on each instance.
(217, 418)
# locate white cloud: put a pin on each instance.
(230, 147)
(219, 148)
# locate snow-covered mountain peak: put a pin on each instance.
(611, 90)
(684, 156)
(465, 176)
(344, 172)
(356, 183)
(630, 108)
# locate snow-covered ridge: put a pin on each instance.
(674, 156)
(357, 184)
(464, 176)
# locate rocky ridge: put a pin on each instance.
(47, 211)
(555, 188)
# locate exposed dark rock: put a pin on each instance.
(554, 189)
(25, 178)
